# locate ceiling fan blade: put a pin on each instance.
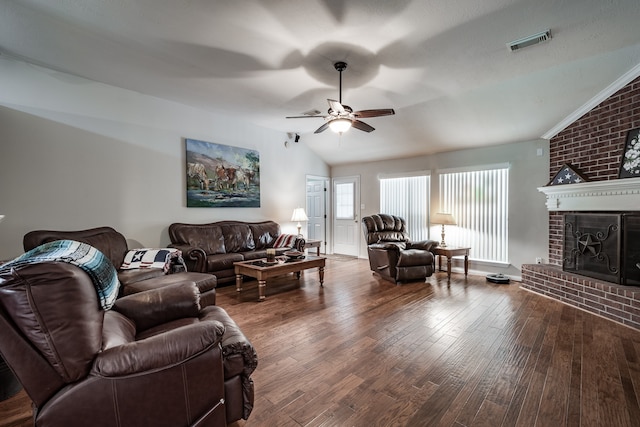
(374, 113)
(303, 117)
(336, 106)
(322, 128)
(362, 126)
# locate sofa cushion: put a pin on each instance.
(237, 238)
(128, 277)
(207, 237)
(264, 233)
(223, 261)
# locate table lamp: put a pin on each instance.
(444, 219)
(299, 215)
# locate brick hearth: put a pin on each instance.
(593, 144)
(616, 302)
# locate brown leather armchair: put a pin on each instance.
(156, 358)
(391, 252)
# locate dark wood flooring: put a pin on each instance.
(365, 352)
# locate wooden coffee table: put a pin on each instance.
(260, 270)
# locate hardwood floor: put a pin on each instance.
(365, 352)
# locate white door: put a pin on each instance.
(317, 209)
(346, 215)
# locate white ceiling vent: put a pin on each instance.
(530, 40)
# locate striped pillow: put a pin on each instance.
(285, 241)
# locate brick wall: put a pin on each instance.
(593, 144)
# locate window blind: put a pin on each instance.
(407, 197)
(478, 201)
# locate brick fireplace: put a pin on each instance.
(592, 144)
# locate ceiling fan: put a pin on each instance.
(340, 118)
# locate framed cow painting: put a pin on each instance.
(221, 175)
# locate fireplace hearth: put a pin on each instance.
(605, 246)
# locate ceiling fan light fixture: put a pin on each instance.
(340, 125)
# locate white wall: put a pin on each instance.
(528, 216)
(77, 154)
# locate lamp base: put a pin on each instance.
(442, 243)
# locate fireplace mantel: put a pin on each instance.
(611, 195)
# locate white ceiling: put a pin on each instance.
(443, 65)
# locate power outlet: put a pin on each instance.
(538, 260)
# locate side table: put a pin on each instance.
(311, 243)
(450, 252)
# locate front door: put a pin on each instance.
(346, 215)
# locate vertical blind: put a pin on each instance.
(478, 201)
(407, 197)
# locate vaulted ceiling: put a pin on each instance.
(443, 65)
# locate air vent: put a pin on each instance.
(530, 40)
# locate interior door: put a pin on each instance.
(317, 209)
(346, 215)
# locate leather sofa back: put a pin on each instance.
(264, 233)
(384, 228)
(106, 239)
(237, 238)
(208, 237)
(225, 236)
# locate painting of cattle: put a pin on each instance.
(221, 175)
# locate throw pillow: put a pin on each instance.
(285, 241)
(163, 258)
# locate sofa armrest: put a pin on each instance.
(298, 245)
(195, 257)
(159, 351)
(426, 245)
(156, 306)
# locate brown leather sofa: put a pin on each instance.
(391, 252)
(214, 247)
(155, 359)
(114, 245)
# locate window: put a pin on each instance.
(478, 200)
(407, 197)
(345, 201)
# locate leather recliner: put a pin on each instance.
(391, 252)
(155, 358)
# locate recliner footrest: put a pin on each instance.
(414, 257)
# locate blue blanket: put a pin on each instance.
(88, 258)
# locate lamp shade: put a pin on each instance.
(1, 218)
(443, 218)
(340, 125)
(299, 215)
